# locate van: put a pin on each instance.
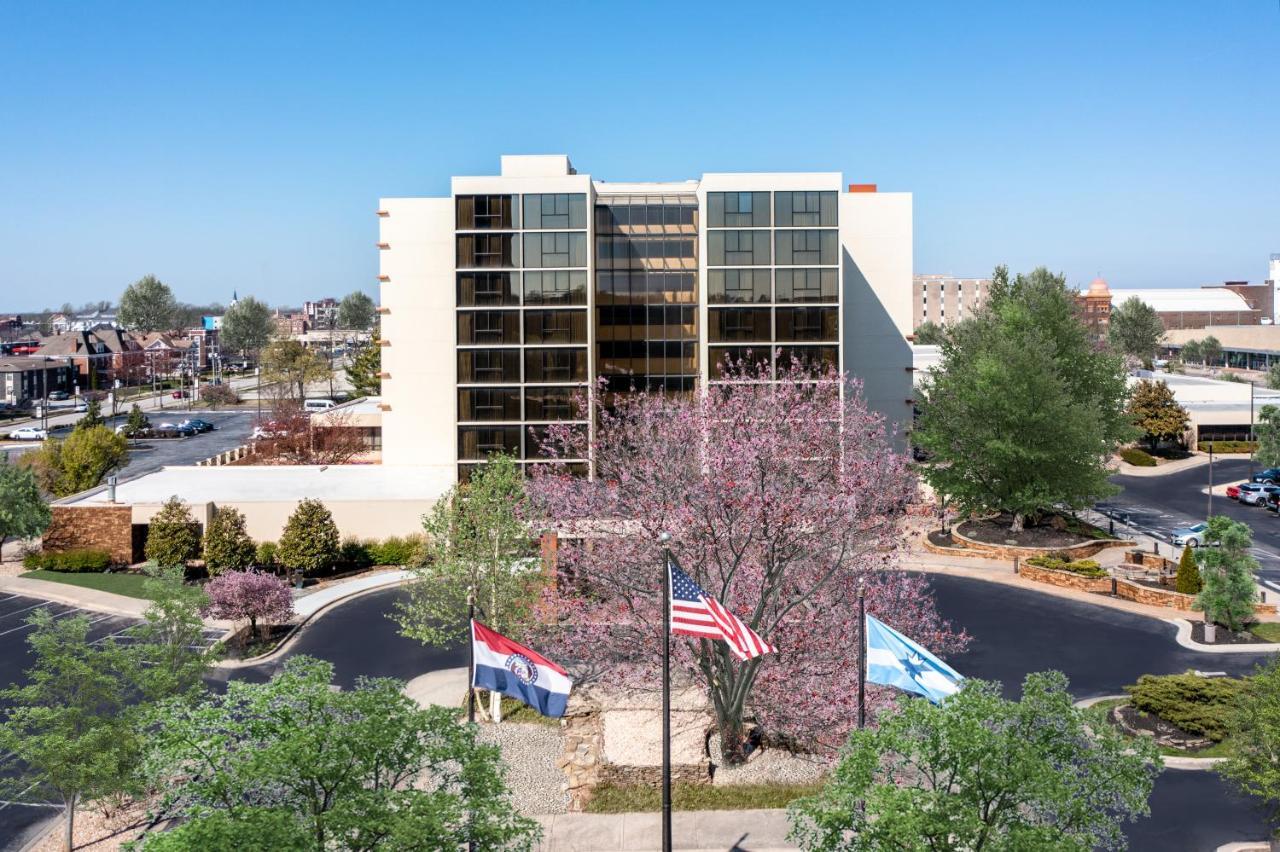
(318, 405)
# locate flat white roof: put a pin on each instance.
(1186, 299)
(279, 484)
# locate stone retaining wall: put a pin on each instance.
(1147, 559)
(1008, 551)
(1066, 579)
(1137, 592)
(108, 528)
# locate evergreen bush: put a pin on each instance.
(1137, 457)
(84, 560)
(310, 542)
(227, 545)
(1197, 705)
(173, 537)
(265, 555)
(1188, 580)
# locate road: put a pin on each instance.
(1157, 504)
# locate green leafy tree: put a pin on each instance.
(1135, 330)
(23, 511)
(71, 727)
(92, 416)
(147, 305)
(295, 764)
(79, 462)
(1210, 349)
(1188, 579)
(929, 333)
(1155, 411)
(247, 326)
(173, 536)
(169, 649)
(365, 367)
(1228, 590)
(310, 542)
(1193, 352)
(1024, 410)
(1253, 728)
(356, 311)
(981, 772)
(293, 366)
(137, 421)
(1267, 433)
(227, 545)
(1273, 376)
(476, 545)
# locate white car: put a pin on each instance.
(29, 433)
(1192, 536)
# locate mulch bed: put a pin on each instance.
(265, 641)
(1163, 732)
(942, 539)
(1223, 636)
(996, 531)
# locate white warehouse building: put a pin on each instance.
(506, 298)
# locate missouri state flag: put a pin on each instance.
(510, 668)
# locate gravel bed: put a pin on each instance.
(530, 753)
(770, 766)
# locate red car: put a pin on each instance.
(1233, 491)
(181, 394)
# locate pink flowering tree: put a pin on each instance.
(782, 498)
(249, 595)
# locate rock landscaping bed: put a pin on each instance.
(1165, 734)
(1223, 636)
(1055, 532)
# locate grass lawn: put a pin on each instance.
(129, 585)
(1267, 631)
(698, 797)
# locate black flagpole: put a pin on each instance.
(471, 679)
(862, 658)
(666, 692)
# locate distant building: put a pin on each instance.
(291, 325)
(321, 314)
(1094, 306)
(63, 323)
(101, 356)
(27, 379)
(1195, 307)
(945, 299)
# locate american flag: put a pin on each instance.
(695, 613)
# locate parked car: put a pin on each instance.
(29, 433)
(318, 405)
(269, 429)
(1270, 476)
(58, 396)
(181, 394)
(1256, 494)
(1192, 536)
(172, 429)
(198, 424)
(1233, 492)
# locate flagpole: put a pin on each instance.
(665, 538)
(862, 657)
(471, 658)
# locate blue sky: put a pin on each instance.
(235, 146)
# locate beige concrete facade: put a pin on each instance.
(943, 299)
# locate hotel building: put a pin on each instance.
(503, 300)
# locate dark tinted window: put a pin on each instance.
(481, 289)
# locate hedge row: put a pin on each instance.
(1228, 446)
(1137, 457)
(1083, 567)
(81, 561)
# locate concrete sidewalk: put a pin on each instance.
(308, 604)
(77, 596)
(748, 831)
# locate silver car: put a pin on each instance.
(1256, 494)
(1192, 536)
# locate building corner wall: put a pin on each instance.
(876, 277)
(418, 362)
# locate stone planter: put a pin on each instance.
(1066, 579)
(972, 547)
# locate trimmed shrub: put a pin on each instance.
(395, 550)
(85, 560)
(356, 554)
(265, 554)
(1197, 705)
(227, 545)
(1137, 457)
(216, 395)
(1188, 581)
(173, 536)
(310, 541)
(1228, 446)
(1083, 567)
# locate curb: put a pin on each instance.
(55, 595)
(292, 635)
(1184, 639)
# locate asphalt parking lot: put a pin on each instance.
(233, 429)
(23, 817)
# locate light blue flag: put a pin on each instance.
(894, 660)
